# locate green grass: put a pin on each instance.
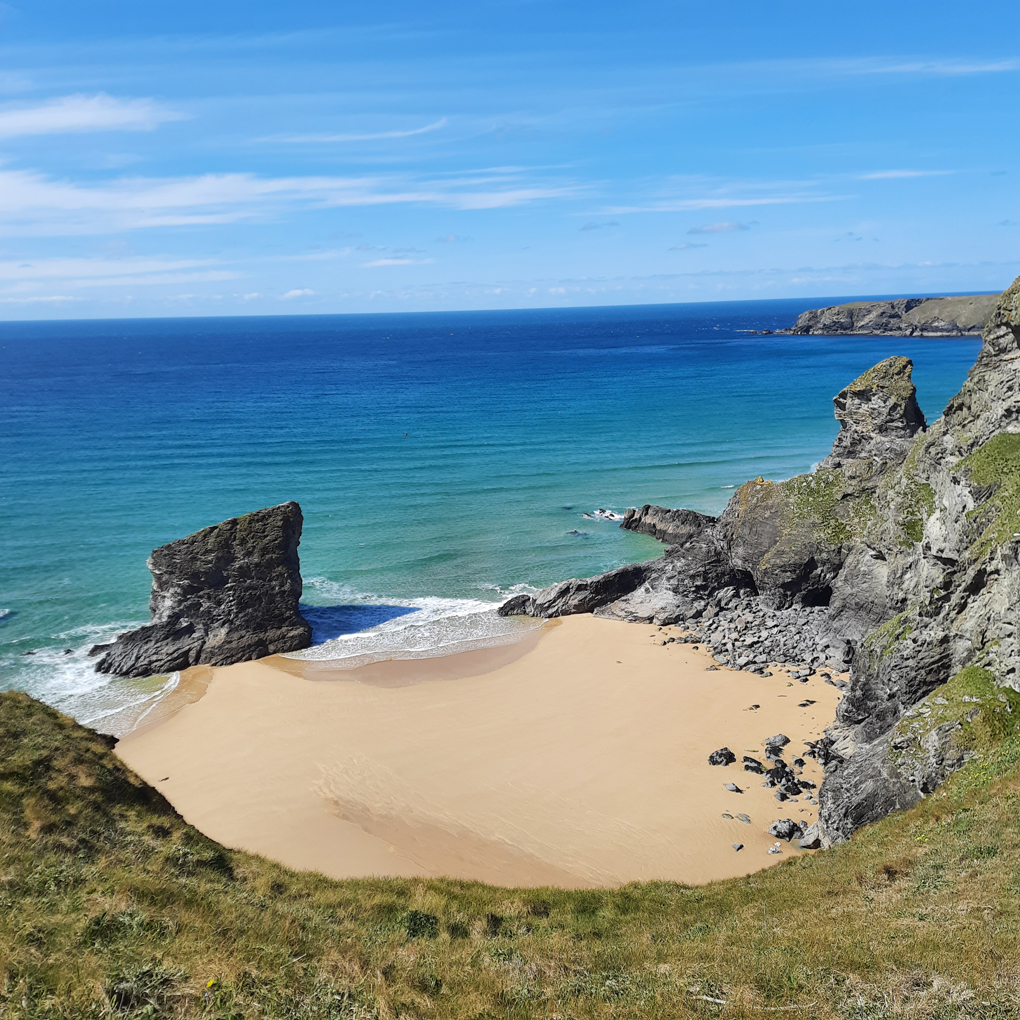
(112, 906)
(997, 465)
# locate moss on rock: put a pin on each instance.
(967, 717)
(995, 469)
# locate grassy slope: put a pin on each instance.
(111, 905)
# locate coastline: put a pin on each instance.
(576, 757)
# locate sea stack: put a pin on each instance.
(225, 594)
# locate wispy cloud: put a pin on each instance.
(31, 203)
(293, 295)
(83, 113)
(725, 227)
(688, 244)
(52, 299)
(396, 262)
(376, 136)
(892, 175)
(599, 226)
(940, 67)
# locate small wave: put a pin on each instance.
(425, 628)
(4, 613)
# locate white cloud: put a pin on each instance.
(292, 139)
(31, 203)
(83, 113)
(688, 244)
(35, 300)
(891, 175)
(726, 227)
(396, 262)
(293, 294)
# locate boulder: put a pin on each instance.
(724, 756)
(226, 594)
(786, 828)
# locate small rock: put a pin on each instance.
(753, 765)
(738, 846)
(724, 756)
(733, 788)
(754, 708)
(726, 814)
(811, 840)
(709, 669)
(68, 651)
(779, 740)
(746, 819)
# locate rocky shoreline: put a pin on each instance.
(897, 556)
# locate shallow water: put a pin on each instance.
(442, 461)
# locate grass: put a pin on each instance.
(112, 906)
(996, 465)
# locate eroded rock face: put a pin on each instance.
(878, 415)
(225, 594)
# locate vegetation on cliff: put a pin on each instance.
(111, 905)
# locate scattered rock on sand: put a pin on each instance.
(738, 846)
(744, 818)
(733, 788)
(724, 756)
(780, 740)
(786, 828)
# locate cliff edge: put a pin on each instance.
(225, 594)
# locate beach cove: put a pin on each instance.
(576, 757)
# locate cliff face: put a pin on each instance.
(222, 595)
(946, 316)
(674, 527)
(898, 555)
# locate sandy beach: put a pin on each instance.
(577, 757)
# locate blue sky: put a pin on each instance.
(265, 158)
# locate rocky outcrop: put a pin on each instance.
(899, 555)
(878, 416)
(673, 527)
(225, 594)
(577, 595)
(945, 316)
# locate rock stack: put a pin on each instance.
(225, 594)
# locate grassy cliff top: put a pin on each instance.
(111, 905)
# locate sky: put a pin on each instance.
(256, 158)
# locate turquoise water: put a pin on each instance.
(442, 461)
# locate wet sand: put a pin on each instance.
(577, 757)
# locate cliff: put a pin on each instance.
(898, 556)
(944, 316)
(225, 594)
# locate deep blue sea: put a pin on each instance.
(442, 460)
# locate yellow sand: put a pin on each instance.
(578, 761)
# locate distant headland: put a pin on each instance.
(933, 316)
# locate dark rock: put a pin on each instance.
(733, 788)
(578, 595)
(753, 765)
(724, 756)
(518, 605)
(225, 594)
(786, 828)
(674, 527)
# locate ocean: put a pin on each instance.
(443, 461)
